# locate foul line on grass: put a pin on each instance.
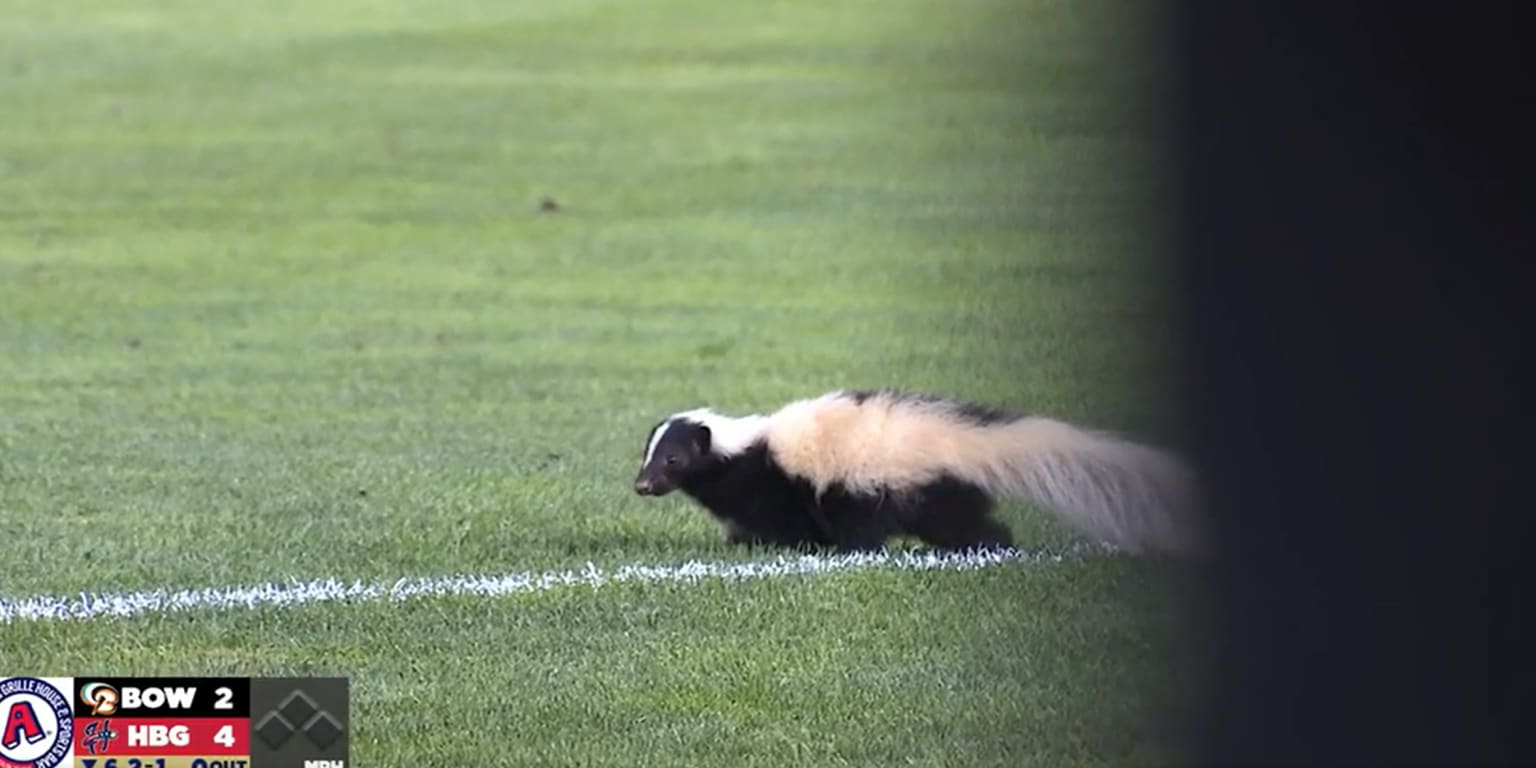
(87, 605)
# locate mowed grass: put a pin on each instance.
(278, 300)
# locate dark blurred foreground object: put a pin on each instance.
(1355, 240)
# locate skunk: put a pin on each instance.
(851, 468)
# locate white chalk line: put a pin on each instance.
(93, 605)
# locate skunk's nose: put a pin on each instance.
(643, 487)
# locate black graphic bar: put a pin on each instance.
(167, 697)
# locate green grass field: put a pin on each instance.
(278, 300)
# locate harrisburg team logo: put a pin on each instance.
(37, 726)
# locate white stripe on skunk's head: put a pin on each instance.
(686, 443)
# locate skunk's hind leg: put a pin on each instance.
(738, 535)
(958, 534)
(955, 516)
(863, 535)
(855, 522)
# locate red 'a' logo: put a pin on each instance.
(21, 725)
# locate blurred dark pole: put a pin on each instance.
(1355, 243)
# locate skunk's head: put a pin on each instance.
(678, 448)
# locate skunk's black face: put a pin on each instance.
(675, 450)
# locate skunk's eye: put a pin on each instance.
(672, 461)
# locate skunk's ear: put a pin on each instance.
(702, 439)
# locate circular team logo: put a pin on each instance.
(100, 697)
(37, 727)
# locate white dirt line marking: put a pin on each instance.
(92, 605)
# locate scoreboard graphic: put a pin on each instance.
(174, 722)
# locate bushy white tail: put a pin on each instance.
(1132, 497)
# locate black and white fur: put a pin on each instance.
(849, 469)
